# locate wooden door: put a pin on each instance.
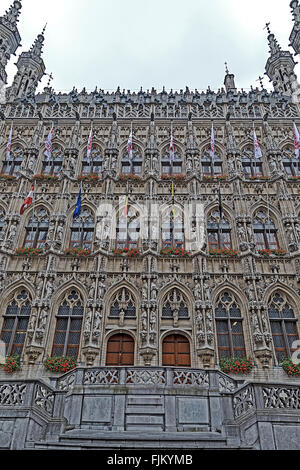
(176, 351)
(120, 350)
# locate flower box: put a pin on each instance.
(213, 178)
(77, 252)
(276, 252)
(7, 177)
(223, 252)
(236, 365)
(126, 251)
(178, 177)
(60, 364)
(44, 177)
(260, 178)
(290, 367)
(12, 364)
(293, 178)
(129, 177)
(29, 251)
(91, 177)
(173, 251)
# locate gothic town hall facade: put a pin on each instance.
(160, 243)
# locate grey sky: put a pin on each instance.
(171, 43)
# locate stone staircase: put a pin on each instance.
(145, 413)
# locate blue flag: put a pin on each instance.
(77, 210)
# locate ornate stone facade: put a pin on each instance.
(159, 307)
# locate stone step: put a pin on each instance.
(145, 408)
(145, 428)
(145, 400)
(145, 419)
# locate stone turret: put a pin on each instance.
(295, 35)
(10, 38)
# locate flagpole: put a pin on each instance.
(172, 166)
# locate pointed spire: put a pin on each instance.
(11, 17)
(229, 80)
(36, 48)
(295, 10)
(273, 43)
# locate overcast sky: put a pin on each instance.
(134, 43)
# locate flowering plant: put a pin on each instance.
(214, 177)
(176, 177)
(174, 251)
(77, 252)
(290, 367)
(223, 252)
(276, 252)
(12, 364)
(236, 365)
(60, 363)
(259, 177)
(29, 251)
(129, 176)
(7, 177)
(126, 251)
(294, 177)
(47, 177)
(91, 177)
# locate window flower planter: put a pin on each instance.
(276, 252)
(7, 177)
(291, 369)
(211, 178)
(29, 251)
(293, 178)
(12, 364)
(60, 364)
(77, 252)
(173, 251)
(223, 252)
(179, 177)
(259, 178)
(43, 177)
(237, 365)
(126, 251)
(91, 177)
(130, 176)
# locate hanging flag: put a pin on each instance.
(297, 141)
(77, 210)
(257, 149)
(126, 206)
(172, 150)
(28, 201)
(48, 144)
(129, 146)
(8, 147)
(212, 143)
(89, 148)
(220, 204)
(173, 199)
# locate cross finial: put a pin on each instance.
(260, 80)
(226, 68)
(267, 27)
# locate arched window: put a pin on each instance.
(265, 232)
(211, 166)
(16, 319)
(175, 304)
(128, 229)
(219, 232)
(171, 168)
(68, 326)
(123, 304)
(53, 166)
(291, 163)
(120, 350)
(176, 351)
(252, 166)
(2, 221)
(82, 231)
(229, 327)
(133, 166)
(13, 164)
(36, 230)
(173, 230)
(283, 326)
(94, 165)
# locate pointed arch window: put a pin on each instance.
(175, 304)
(123, 304)
(283, 326)
(37, 230)
(13, 164)
(291, 163)
(16, 319)
(229, 327)
(265, 232)
(219, 232)
(68, 326)
(176, 351)
(54, 165)
(82, 231)
(171, 168)
(173, 230)
(120, 350)
(211, 166)
(133, 166)
(252, 166)
(94, 165)
(128, 230)
(2, 221)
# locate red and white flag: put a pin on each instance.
(28, 201)
(8, 147)
(89, 149)
(130, 146)
(257, 149)
(48, 145)
(212, 143)
(296, 140)
(172, 150)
